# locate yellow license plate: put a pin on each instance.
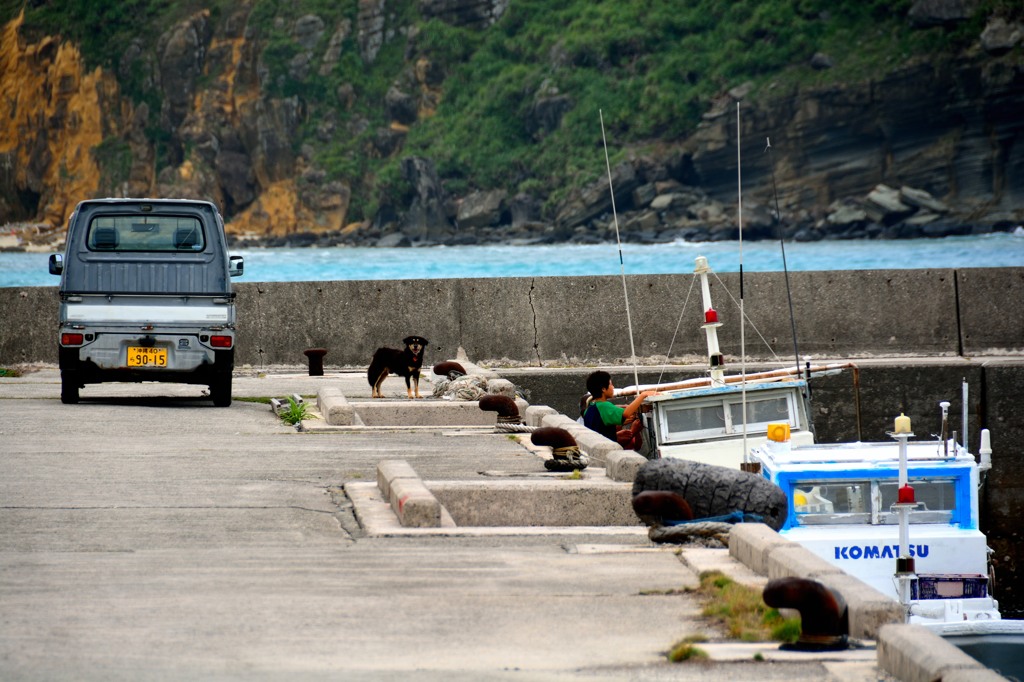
(139, 356)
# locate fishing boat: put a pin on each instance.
(903, 516)
(702, 419)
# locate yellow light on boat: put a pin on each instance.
(903, 424)
(778, 432)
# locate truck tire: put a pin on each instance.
(220, 391)
(69, 387)
(713, 490)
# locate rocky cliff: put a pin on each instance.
(930, 146)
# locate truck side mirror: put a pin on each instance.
(56, 264)
(236, 266)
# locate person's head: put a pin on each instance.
(597, 382)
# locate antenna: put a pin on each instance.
(782, 245)
(618, 241)
(743, 315)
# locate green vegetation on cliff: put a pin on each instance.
(651, 68)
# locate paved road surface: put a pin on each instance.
(145, 535)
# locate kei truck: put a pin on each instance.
(145, 295)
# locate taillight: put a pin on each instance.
(71, 339)
(220, 341)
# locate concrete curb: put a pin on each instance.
(377, 519)
(768, 553)
(335, 408)
(792, 560)
(752, 543)
(914, 653)
(551, 501)
(594, 444)
(413, 504)
(621, 465)
(534, 414)
(869, 609)
(389, 470)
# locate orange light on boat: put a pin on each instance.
(778, 432)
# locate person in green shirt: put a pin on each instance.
(602, 415)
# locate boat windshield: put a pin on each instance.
(871, 501)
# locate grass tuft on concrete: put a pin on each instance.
(741, 611)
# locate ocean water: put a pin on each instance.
(1003, 249)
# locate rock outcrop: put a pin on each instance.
(928, 148)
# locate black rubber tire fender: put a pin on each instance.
(715, 491)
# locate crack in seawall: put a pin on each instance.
(259, 322)
(533, 311)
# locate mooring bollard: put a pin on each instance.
(316, 361)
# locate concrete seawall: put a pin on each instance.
(544, 320)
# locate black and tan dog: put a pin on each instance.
(404, 363)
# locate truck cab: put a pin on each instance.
(145, 295)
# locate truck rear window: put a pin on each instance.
(146, 233)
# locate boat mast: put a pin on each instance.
(716, 361)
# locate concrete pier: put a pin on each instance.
(229, 545)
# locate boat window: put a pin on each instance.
(870, 501)
(820, 502)
(715, 417)
(704, 420)
(145, 233)
(935, 501)
(760, 412)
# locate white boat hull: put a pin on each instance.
(870, 552)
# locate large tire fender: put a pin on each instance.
(713, 490)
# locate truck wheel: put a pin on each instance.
(68, 388)
(220, 391)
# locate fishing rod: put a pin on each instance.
(782, 245)
(618, 241)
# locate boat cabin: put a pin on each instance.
(705, 424)
(844, 501)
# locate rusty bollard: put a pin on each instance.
(316, 361)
